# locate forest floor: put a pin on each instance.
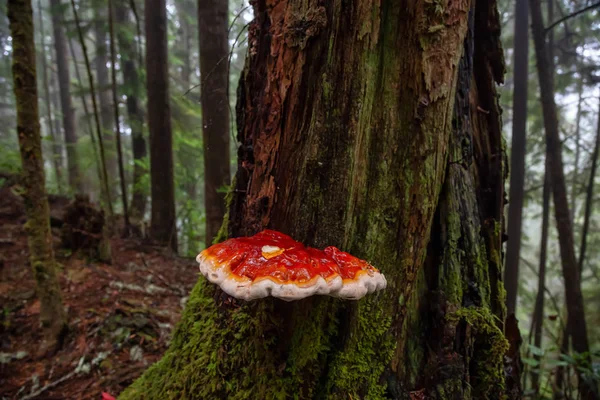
(121, 315)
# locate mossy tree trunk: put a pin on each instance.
(372, 126)
(41, 254)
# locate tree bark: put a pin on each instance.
(56, 148)
(574, 298)
(163, 228)
(374, 127)
(214, 51)
(64, 82)
(134, 111)
(41, 254)
(517, 157)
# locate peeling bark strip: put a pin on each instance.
(351, 136)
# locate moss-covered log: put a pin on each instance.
(372, 126)
(41, 254)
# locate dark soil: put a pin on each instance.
(121, 315)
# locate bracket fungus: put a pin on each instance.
(273, 264)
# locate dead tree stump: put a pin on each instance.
(84, 229)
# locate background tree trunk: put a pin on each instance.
(362, 127)
(103, 90)
(41, 254)
(214, 75)
(86, 113)
(186, 13)
(517, 156)
(113, 58)
(104, 177)
(538, 312)
(56, 148)
(575, 174)
(133, 87)
(55, 95)
(163, 228)
(64, 82)
(589, 199)
(574, 298)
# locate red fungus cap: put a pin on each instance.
(273, 264)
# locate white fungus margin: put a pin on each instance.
(244, 288)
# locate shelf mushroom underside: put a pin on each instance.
(345, 284)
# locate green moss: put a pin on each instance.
(490, 346)
(501, 297)
(497, 228)
(414, 352)
(356, 371)
(311, 342)
(215, 354)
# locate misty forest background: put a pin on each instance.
(73, 153)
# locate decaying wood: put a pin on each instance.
(360, 127)
(84, 229)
